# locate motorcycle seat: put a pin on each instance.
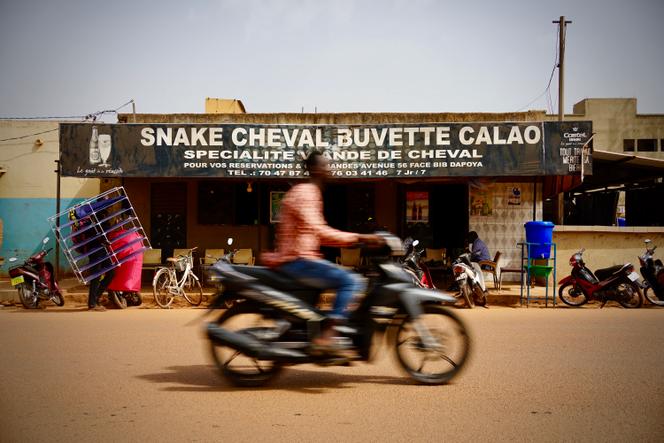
(603, 274)
(274, 279)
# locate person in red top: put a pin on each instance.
(302, 230)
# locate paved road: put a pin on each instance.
(141, 374)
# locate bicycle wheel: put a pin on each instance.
(193, 292)
(161, 288)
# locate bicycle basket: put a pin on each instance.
(181, 264)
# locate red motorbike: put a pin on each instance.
(618, 283)
(35, 280)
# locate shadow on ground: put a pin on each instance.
(206, 378)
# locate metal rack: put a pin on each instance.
(101, 221)
(531, 270)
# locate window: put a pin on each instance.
(628, 145)
(222, 203)
(661, 145)
(647, 145)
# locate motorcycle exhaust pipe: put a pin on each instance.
(252, 347)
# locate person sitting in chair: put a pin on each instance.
(478, 249)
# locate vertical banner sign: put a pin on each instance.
(356, 151)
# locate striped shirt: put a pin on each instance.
(302, 229)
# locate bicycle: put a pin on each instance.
(166, 286)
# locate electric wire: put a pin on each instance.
(553, 71)
(93, 116)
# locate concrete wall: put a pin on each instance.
(616, 119)
(28, 187)
(605, 245)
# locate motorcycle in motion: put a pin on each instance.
(470, 280)
(618, 283)
(653, 275)
(35, 280)
(273, 320)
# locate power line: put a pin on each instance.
(28, 135)
(548, 85)
(92, 117)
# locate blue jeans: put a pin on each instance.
(322, 274)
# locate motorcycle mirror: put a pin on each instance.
(416, 242)
(229, 241)
(12, 259)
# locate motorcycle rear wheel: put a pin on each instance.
(572, 295)
(29, 300)
(636, 300)
(448, 358)
(651, 296)
(240, 369)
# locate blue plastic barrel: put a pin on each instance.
(539, 232)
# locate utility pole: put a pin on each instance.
(562, 23)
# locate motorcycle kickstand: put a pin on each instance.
(603, 303)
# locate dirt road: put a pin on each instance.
(141, 374)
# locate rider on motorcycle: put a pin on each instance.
(301, 231)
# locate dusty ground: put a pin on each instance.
(141, 374)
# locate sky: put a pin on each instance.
(69, 58)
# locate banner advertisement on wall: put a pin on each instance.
(356, 152)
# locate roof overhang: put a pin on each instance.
(621, 171)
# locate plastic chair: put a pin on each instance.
(350, 258)
(491, 267)
(244, 257)
(210, 256)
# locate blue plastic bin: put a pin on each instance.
(539, 232)
(621, 221)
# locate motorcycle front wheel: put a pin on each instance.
(58, 299)
(479, 295)
(465, 292)
(633, 297)
(651, 296)
(29, 299)
(118, 299)
(238, 368)
(433, 364)
(572, 295)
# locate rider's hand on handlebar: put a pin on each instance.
(372, 240)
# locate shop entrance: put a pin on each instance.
(436, 215)
(168, 216)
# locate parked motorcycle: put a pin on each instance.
(412, 264)
(35, 280)
(618, 283)
(470, 280)
(274, 318)
(653, 275)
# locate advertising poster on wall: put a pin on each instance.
(481, 201)
(275, 205)
(417, 207)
